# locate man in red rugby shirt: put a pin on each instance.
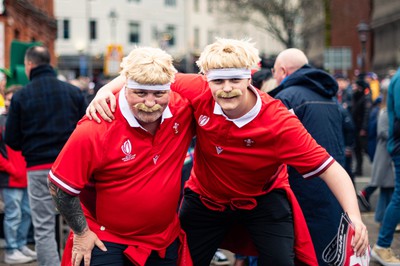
(118, 184)
(245, 139)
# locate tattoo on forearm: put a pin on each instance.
(70, 208)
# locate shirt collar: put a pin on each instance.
(128, 115)
(246, 118)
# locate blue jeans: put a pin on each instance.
(385, 195)
(392, 213)
(17, 217)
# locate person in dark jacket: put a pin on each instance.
(344, 97)
(362, 104)
(309, 93)
(41, 117)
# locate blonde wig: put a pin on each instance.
(150, 66)
(228, 53)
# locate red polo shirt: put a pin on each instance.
(128, 180)
(237, 160)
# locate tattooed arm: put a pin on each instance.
(70, 208)
(84, 239)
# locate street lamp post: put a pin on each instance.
(363, 30)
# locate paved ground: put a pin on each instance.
(368, 217)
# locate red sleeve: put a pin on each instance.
(79, 158)
(6, 166)
(189, 86)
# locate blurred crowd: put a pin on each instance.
(362, 100)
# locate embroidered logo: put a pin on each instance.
(175, 127)
(203, 120)
(155, 158)
(248, 142)
(219, 149)
(127, 150)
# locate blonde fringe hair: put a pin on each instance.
(150, 66)
(228, 53)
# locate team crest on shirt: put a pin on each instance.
(176, 128)
(219, 149)
(203, 120)
(155, 158)
(248, 142)
(127, 150)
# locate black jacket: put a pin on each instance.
(310, 94)
(42, 116)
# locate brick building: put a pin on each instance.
(26, 21)
(332, 24)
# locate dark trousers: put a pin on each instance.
(114, 256)
(359, 148)
(270, 225)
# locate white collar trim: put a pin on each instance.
(128, 115)
(246, 118)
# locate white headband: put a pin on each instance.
(228, 73)
(131, 84)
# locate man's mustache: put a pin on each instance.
(233, 93)
(144, 108)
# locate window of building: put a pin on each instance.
(196, 6)
(170, 2)
(93, 29)
(171, 31)
(63, 30)
(196, 38)
(134, 32)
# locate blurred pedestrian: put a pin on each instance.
(372, 79)
(263, 80)
(344, 97)
(382, 166)
(372, 140)
(41, 117)
(362, 104)
(13, 181)
(345, 91)
(238, 124)
(381, 250)
(310, 94)
(372, 127)
(112, 179)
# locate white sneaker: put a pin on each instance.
(28, 252)
(385, 256)
(16, 257)
(220, 259)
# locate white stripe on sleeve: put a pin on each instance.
(61, 183)
(319, 168)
